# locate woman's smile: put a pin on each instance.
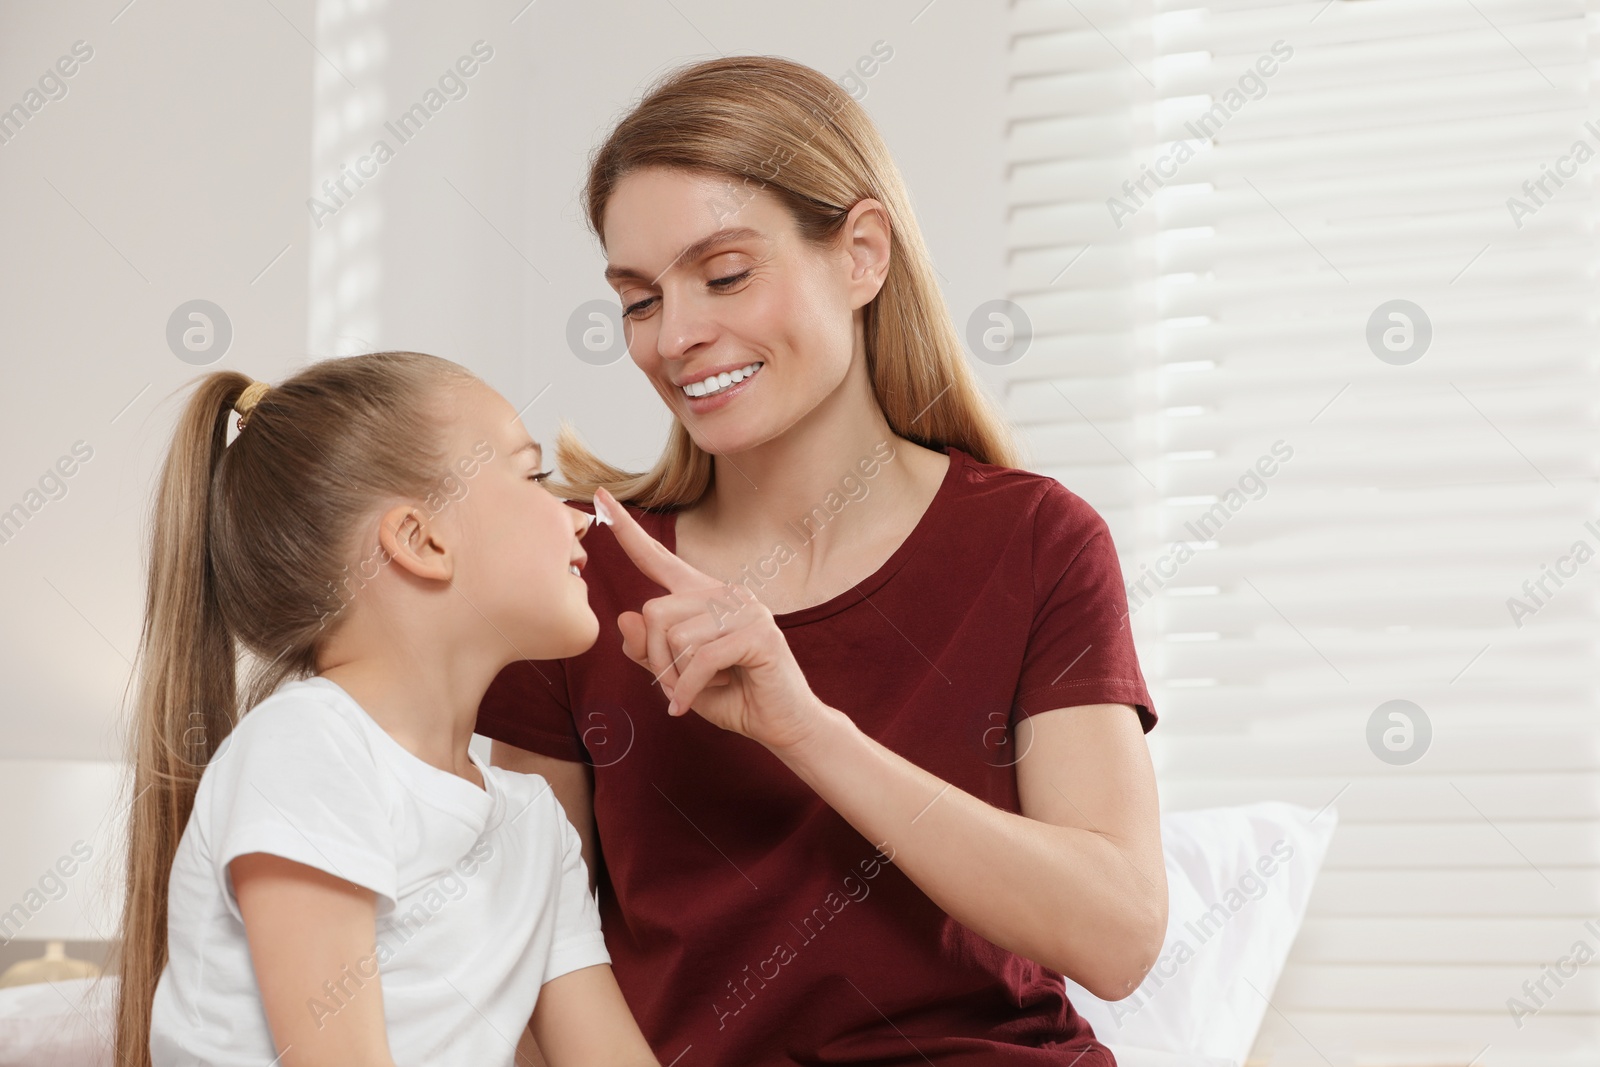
(707, 391)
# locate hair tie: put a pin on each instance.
(246, 403)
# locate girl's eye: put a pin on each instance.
(541, 476)
(632, 310)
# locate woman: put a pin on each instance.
(948, 802)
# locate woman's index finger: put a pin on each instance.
(652, 558)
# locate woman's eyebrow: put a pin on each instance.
(693, 252)
(531, 446)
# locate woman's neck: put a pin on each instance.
(840, 490)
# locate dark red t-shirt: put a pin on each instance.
(747, 922)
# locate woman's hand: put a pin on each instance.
(713, 646)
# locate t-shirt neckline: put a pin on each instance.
(414, 765)
(874, 581)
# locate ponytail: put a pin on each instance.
(187, 700)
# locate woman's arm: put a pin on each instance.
(1081, 867)
(581, 1020)
(1075, 882)
(307, 927)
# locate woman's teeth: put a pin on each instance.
(718, 382)
(573, 567)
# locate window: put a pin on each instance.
(1312, 285)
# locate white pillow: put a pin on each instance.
(60, 1024)
(1238, 881)
(1128, 1056)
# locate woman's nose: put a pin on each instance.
(684, 326)
(582, 522)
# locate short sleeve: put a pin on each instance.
(579, 941)
(527, 706)
(297, 780)
(1080, 647)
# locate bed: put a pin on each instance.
(1238, 878)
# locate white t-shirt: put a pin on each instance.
(482, 896)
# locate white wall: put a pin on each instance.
(171, 170)
(187, 147)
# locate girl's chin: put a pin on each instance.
(582, 632)
(570, 633)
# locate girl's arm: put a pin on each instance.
(581, 1020)
(307, 927)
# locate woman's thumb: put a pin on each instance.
(631, 624)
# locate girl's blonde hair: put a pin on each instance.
(775, 125)
(250, 550)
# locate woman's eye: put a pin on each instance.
(640, 308)
(540, 477)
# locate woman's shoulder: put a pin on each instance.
(1056, 514)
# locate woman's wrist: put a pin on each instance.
(823, 731)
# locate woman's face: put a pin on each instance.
(742, 326)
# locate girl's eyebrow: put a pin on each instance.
(531, 446)
(693, 252)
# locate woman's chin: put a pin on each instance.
(733, 432)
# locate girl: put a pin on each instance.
(930, 795)
(334, 878)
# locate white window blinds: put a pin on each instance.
(1313, 293)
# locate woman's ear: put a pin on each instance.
(410, 541)
(866, 235)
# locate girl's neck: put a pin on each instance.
(429, 709)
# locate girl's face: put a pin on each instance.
(742, 326)
(519, 557)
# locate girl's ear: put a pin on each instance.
(408, 540)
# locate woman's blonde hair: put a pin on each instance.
(250, 553)
(775, 125)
